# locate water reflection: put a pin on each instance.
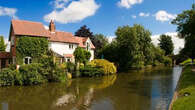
(135, 90)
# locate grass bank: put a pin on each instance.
(186, 91)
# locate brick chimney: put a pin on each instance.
(52, 27)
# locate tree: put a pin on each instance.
(185, 23)
(2, 44)
(166, 44)
(84, 32)
(81, 55)
(185, 26)
(133, 43)
(100, 42)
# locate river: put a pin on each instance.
(150, 89)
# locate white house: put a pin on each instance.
(63, 44)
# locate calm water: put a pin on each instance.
(135, 90)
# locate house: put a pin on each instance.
(61, 43)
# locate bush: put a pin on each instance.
(90, 71)
(7, 77)
(31, 74)
(57, 75)
(108, 67)
(167, 61)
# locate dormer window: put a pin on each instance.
(71, 46)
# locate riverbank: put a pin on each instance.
(184, 97)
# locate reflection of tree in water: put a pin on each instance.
(129, 92)
(83, 95)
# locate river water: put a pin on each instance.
(135, 90)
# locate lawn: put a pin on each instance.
(186, 90)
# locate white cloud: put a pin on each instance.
(144, 14)
(4, 11)
(164, 16)
(134, 16)
(60, 3)
(178, 43)
(128, 3)
(111, 38)
(74, 12)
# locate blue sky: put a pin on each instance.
(101, 16)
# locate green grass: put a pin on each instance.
(187, 62)
(186, 85)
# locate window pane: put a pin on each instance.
(26, 60)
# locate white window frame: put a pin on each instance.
(71, 46)
(28, 58)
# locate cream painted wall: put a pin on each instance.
(62, 48)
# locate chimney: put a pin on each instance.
(52, 27)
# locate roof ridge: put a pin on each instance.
(28, 21)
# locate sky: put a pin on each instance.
(101, 16)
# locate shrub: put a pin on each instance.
(57, 75)
(90, 71)
(6, 77)
(108, 67)
(167, 61)
(70, 67)
(31, 74)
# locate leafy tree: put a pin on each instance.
(189, 48)
(185, 26)
(100, 42)
(133, 43)
(185, 23)
(2, 44)
(166, 44)
(84, 32)
(81, 55)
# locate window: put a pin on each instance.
(88, 46)
(12, 40)
(70, 46)
(27, 60)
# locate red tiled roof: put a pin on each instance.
(82, 41)
(29, 28)
(5, 55)
(68, 55)
(63, 37)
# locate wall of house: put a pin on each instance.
(62, 48)
(91, 50)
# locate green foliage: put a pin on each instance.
(187, 62)
(90, 71)
(31, 46)
(167, 61)
(7, 77)
(108, 67)
(31, 74)
(185, 26)
(84, 32)
(166, 44)
(70, 67)
(100, 42)
(185, 23)
(81, 55)
(2, 44)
